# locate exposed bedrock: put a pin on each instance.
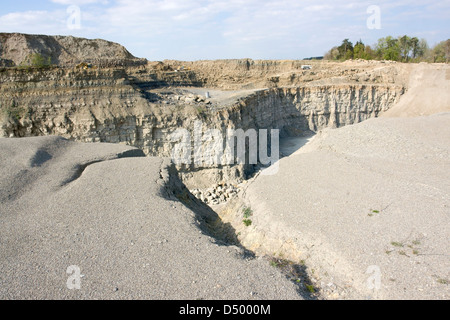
(144, 106)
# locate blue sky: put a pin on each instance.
(227, 29)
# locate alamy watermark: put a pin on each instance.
(210, 147)
(74, 280)
(374, 20)
(374, 280)
(74, 19)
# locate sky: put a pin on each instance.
(229, 29)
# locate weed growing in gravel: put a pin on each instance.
(248, 212)
(296, 272)
(402, 253)
(310, 288)
(405, 248)
(247, 222)
(201, 111)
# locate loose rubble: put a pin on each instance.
(219, 193)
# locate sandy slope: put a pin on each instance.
(428, 92)
(113, 222)
(370, 201)
(373, 194)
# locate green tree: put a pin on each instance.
(441, 52)
(370, 52)
(423, 49)
(447, 50)
(346, 50)
(358, 50)
(333, 54)
(361, 51)
(404, 45)
(414, 42)
(388, 49)
(402, 48)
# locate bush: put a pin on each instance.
(39, 61)
(14, 112)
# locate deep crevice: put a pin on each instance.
(224, 234)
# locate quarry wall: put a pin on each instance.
(120, 105)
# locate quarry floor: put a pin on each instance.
(360, 212)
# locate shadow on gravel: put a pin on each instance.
(225, 235)
(209, 221)
(297, 273)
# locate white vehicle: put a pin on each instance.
(306, 67)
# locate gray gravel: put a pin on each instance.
(70, 204)
(367, 207)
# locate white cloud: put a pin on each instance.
(265, 28)
(33, 21)
(229, 28)
(79, 2)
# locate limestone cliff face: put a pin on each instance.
(103, 105)
(63, 102)
(296, 110)
(110, 105)
(122, 99)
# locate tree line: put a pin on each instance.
(402, 48)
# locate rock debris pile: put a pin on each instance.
(217, 194)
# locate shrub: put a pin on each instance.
(39, 61)
(14, 111)
(247, 222)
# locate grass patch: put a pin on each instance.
(397, 244)
(201, 111)
(280, 263)
(310, 288)
(248, 212)
(296, 272)
(274, 263)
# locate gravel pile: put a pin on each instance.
(219, 193)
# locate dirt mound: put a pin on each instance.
(17, 49)
(429, 92)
